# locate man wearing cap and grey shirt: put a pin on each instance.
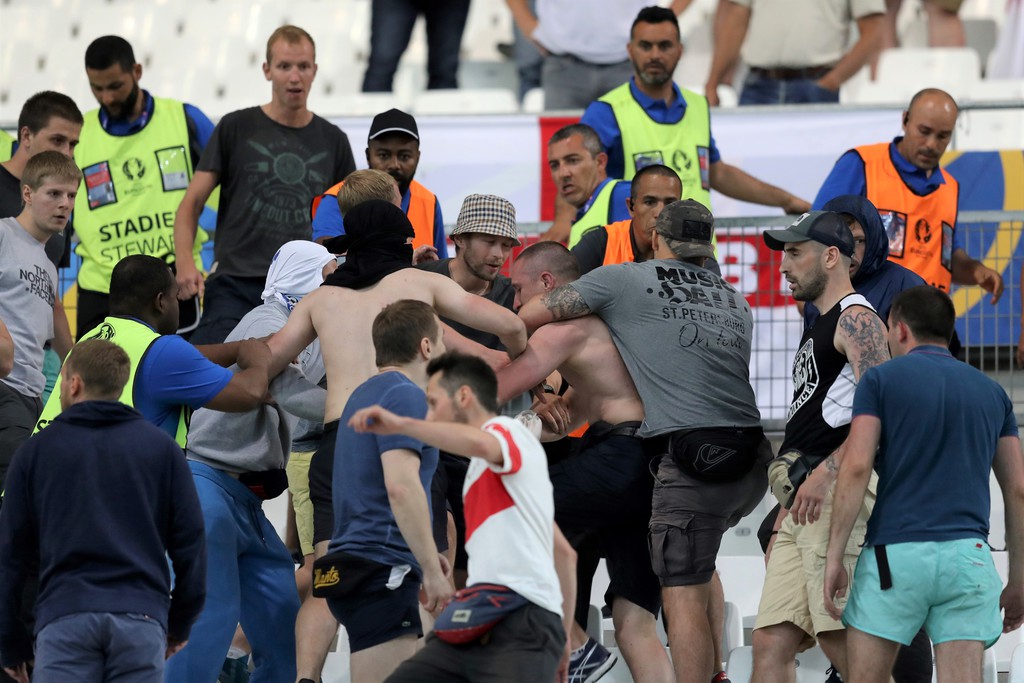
(847, 340)
(484, 236)
(684, 334)
(394, 148)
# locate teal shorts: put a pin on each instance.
(950, 587)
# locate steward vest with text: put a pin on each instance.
(919, 228)
(619, 248)
(133, 185)
(135, 338)
(684, 147)
(421, 213)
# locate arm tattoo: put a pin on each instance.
(831, 465)
(565, 302)
(866, 345)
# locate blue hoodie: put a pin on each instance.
(100, 495)
(878, 279)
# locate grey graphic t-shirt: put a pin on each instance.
(28, 287)
(685, 335)
(269, 174)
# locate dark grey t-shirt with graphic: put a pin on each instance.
(269, 174)
(685, 336)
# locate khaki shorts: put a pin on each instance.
(794, 584)
(298, 484)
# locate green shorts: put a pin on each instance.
(950, 587)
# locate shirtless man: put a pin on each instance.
(376, 273)
(612, 456)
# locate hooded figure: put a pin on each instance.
(873, 275)
(377, 242)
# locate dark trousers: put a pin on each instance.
(227, 300)
(525, 647)
(18, 415)
(762, 90)
(391, 24)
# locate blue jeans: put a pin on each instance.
(391, 23)
(250, 580)
(225, 302)
(761, 90)
(100, 646)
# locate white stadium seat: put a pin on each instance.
(482, 101)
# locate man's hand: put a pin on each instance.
(990, 281)
(836, 583)
(19, 674)
(711, 92)
(174, 647)
(1012, 603)
(437, 590)
(562, 672)
(810, 497)
(496, 359)
(375, 420)
(553, 411)
(427, 252)
(794, 205)
(190, 280)
(253, 353)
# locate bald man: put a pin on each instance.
(919, 213)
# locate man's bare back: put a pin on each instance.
(582, 350)
(342, 318)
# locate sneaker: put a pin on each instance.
(720, 677)
(234, 670)
(591, 664)
(833, 675)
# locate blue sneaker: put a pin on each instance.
(833, 675)
(593, 662)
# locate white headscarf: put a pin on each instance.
(295, 271)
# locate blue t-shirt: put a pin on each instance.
(328, 222)
(599, 116)
(364, 524)
(173, 373)
(941, 421)
(847, 177)
(617, 209)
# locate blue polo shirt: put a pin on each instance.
(617, 209)
(328, 222)
(173, 374)
(847, 177)
(941, 420)
(601, 118)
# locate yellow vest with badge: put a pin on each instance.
(684, 147)
(133, 185)
(135, 338)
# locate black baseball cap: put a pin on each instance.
(688, 221)
(824, 227)
(393, 121)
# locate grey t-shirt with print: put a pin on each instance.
(684, 334)
(28, 287)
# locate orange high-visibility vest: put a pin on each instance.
(920, 228)
(421, 212)
(619, 248)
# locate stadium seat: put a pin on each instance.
(954, 69)
(481, 101)
(475, 75)
(1017, 666)
(742, 579)
(533, 101)
(489, 23)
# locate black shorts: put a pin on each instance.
(439, 507)
(372, 617)
(321, 474)
(455, 469)
(607, 489)
(524, 647)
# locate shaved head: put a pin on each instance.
(928, 125)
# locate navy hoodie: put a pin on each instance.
(100, 494)
(878, 279)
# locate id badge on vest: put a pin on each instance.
(99, 185)
(642, 160)
(947, 246)
(173, 168)
(704, 160)
(895, 224)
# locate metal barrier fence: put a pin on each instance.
(989, 334)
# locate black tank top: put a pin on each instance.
(823, 388)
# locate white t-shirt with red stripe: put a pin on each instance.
(510, 514)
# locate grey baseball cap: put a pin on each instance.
(688, 221)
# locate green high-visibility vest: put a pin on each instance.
(135, 338)
(598, 215)
(6, 146)
(684, 147)
(132, 186)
